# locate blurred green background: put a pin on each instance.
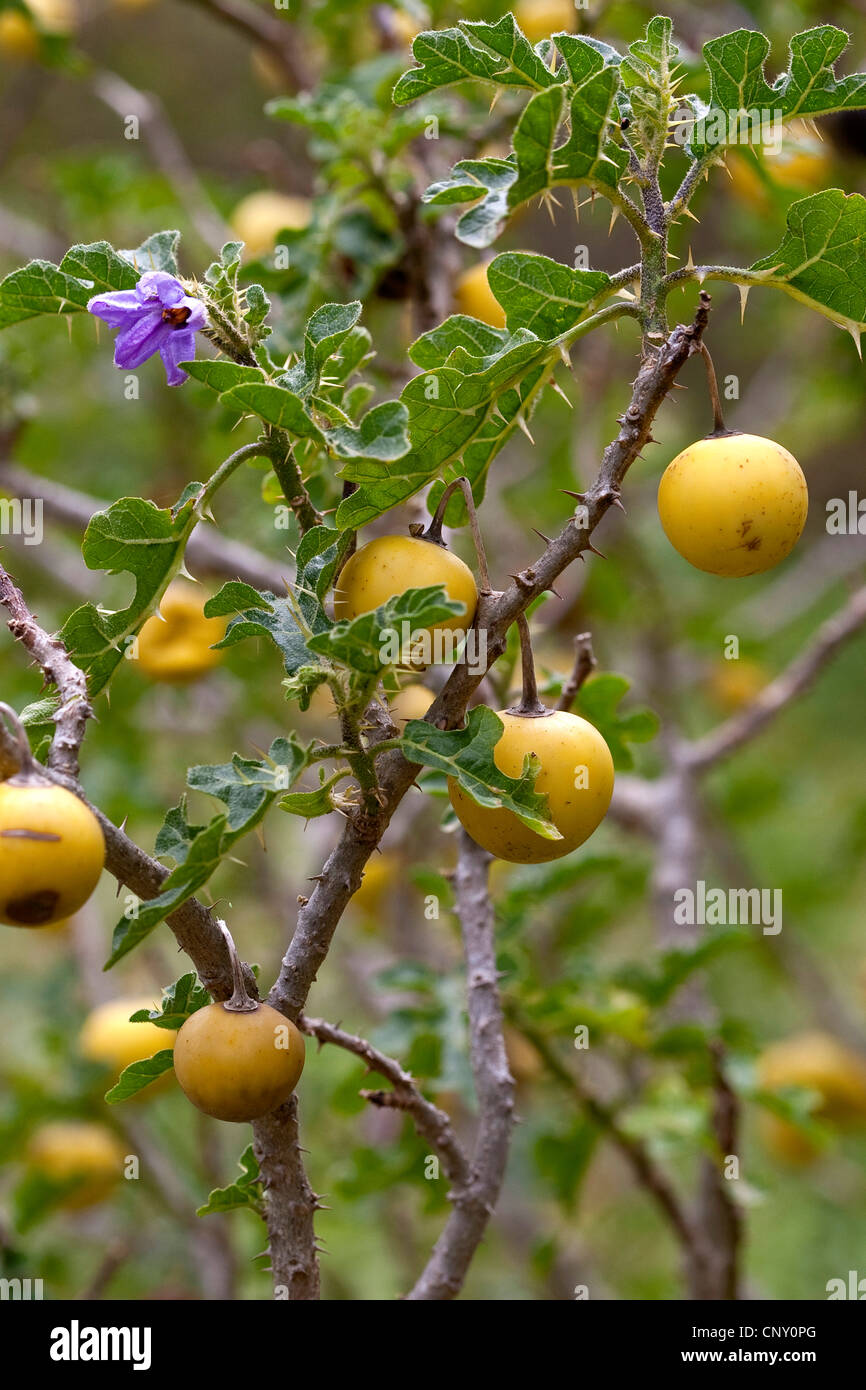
(788, 812)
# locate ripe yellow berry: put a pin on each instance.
(87, 1156)
(380, 872)
(733, 504)
(238, 1065)
(540, 18)
(390, 565)
(259, 218)
(19, 39)
(473, 296)
(412, 702)
(177, 644)
(110, 1038)
(52, 853)
(576, 776)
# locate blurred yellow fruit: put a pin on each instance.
(54, 16)
(259, 218)
(77, 1151)
(110, 1038)
(801, 164)
(18, 37)
(732, 684)
(405, 26)
(381, 871)
(178, 646)
(524, 1060)
(412, 702)
(785, 1142)
(268, 71)
(473, 296)
(820, 1063)
(817, 1062)
(540, 18)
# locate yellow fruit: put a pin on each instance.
(390, 565)
(268, 71)
(412, 702)
(238, 1066)
(473, 296)
(785, 1142)
(52, 853)
(405, 26)
(178, 646)
(18, 37)
(819, 1063)
(801, 164)
(109, 1037)
(524, 1061)
(380, 872)
(733, 505)
(78, 1152)
(736, 682)
(54, 16)
(576, 776)
(259, 218)
(540, 18)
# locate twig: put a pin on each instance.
(742, 727)
(584, 664)
(207, 552)
(341, 876)
(475, 1199)
(646, 1171)
(168, 152)
(291, 1204)
(431, 1123)
(59, 670)
(266, 31)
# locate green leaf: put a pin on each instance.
(598, 701)
(542, 295)
(157, 252)
(134, 1078)
(315, 803)
(372, 642)
(248, 789)
(276, 406)
(822, 259)
(808, 88)
(495, 53)
(382, 434)
(589, 156)
(246, 1191)
(221, 375)
(563, 1158)
(467, 755)
(181, 999)
(327, 331)
(133, 536)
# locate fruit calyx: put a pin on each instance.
(529, 705)
(241, 1002)
(27, 773)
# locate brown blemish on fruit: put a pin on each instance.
(23, 834)
(33, 911)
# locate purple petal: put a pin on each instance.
(179, 346)
(140, 339)
(160, 286)
(117, 308)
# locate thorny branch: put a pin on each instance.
(475, 1197)
(59, 670)
(431, 1123)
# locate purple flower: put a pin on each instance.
(154, 317)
